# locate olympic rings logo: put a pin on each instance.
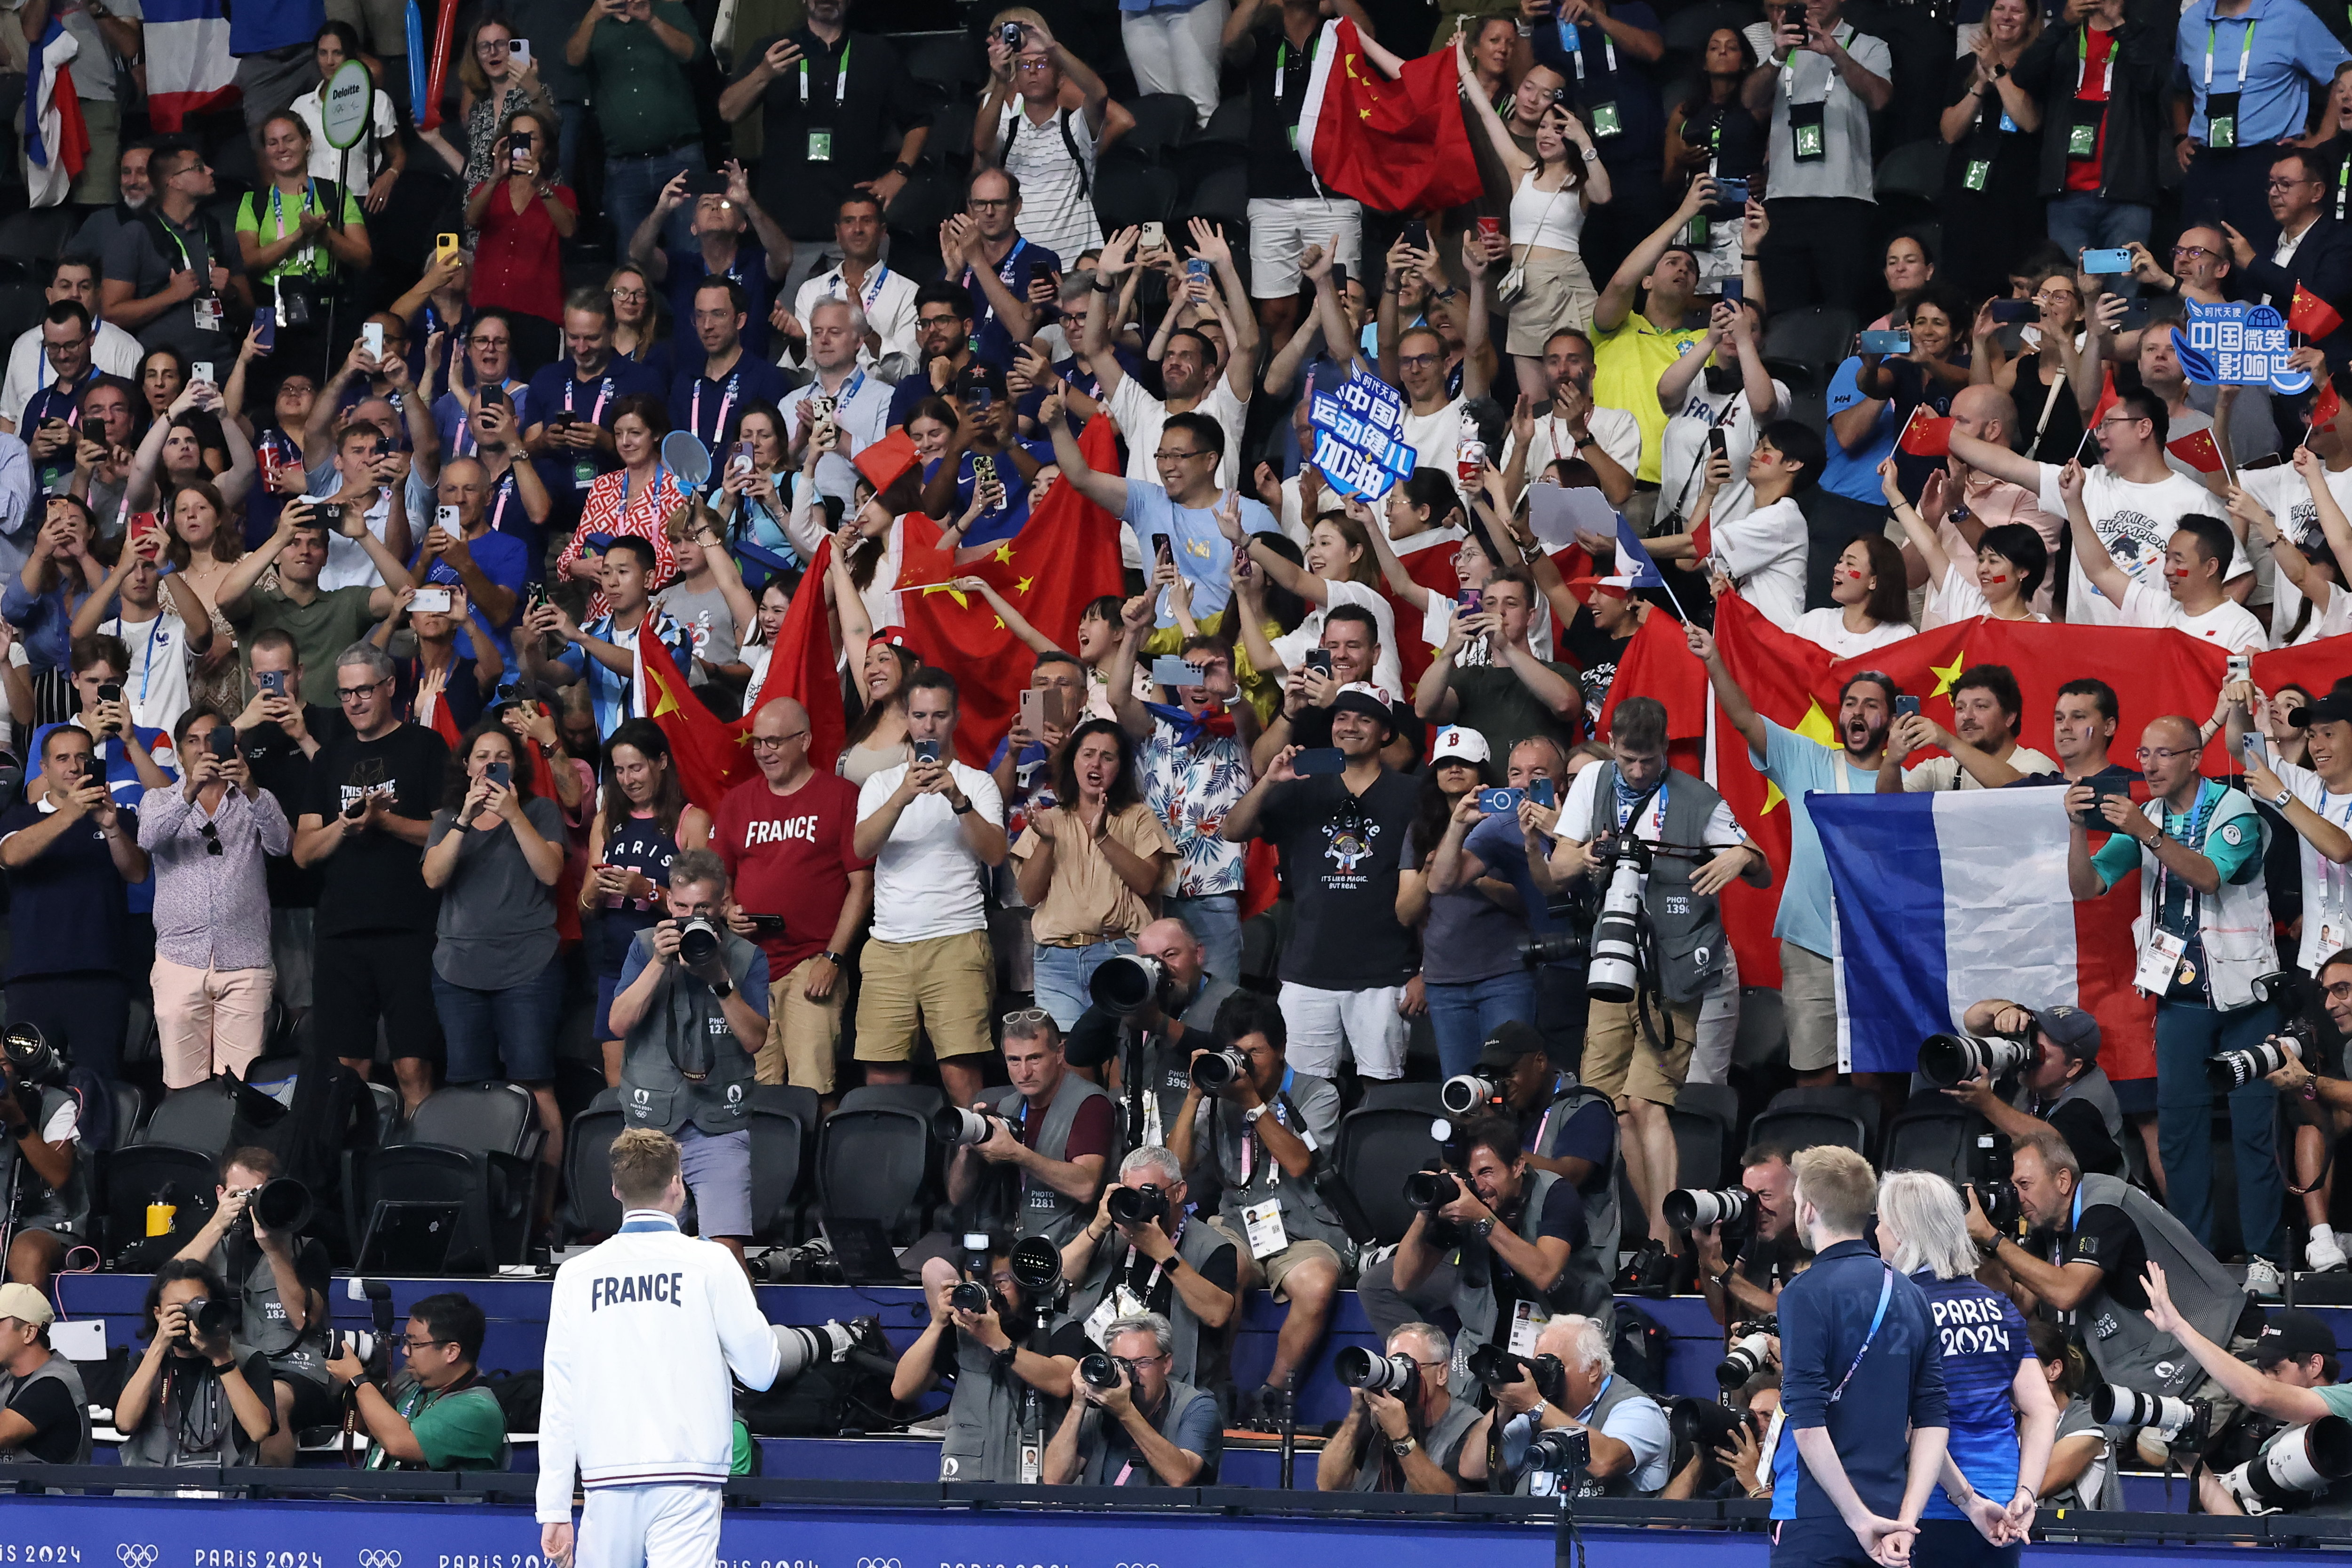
(877, 1562)
(132, 1556)
(379, 1557)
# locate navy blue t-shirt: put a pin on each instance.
(1009, 519)
(990, 339)
(687, 271)
(709, 408)
(555, 390)
(639, 845)
(68, 906)
(1982, 1340)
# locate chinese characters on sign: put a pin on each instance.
(2238, 345)
(1357, 429)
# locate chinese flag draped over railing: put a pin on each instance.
(1400, 146)
(1067, 555)
(2313, 666)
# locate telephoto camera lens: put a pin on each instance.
(211, 1319)
(357, 1343)
(958, 1127)
(30, 1056)
(968, 1296)
(1129, 1205)
(1125, 984)
(1357, 1367)
(1466, 1092)
(1496, 1367)
(698, 942)
(1745, 1359)
(2292, 1466)
(1036, 1265)
(1949, 1059)
(1218, 1069)
(1616, 972)
(282, 1207)
(806, 1348)
(2181, 1422)
(1695, 1209)
(1431, 1190)
(2228, 1071)
(1098, 1370)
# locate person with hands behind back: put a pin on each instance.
(1144, 1428)
(197, 1397)
(1411, 1442)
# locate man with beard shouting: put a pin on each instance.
(1865, 708)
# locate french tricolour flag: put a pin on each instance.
(189, 68)
(1941, 900)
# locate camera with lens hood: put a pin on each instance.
(1127, 984)
(1217, 1069)
(2292, 1467)
(1945, 1060)
(1464, 1093)
(1696, 1208)
(1429, 1191)
(1137, 1205)
(31, 1060)
(1099, 1371)
(2181, 1423)
(960, 1128)
(1357, 1367)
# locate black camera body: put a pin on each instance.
(1429, 1191)
(30, 1059)
(1559, 1450)
(210, 1317)
(1099, 1371)
(970, 1295)
(1131, 1205)
(1497, 1368)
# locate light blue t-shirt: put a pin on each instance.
(1797, 765)
(2289, 52)
(1203, 552)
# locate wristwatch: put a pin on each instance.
(722, 989)
(1249, 1117)
(901, 170)
(1401, 1446)
(961, 807)
(837, 960)
(1483, 1227)
(2283, 799)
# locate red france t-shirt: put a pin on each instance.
(790, 854)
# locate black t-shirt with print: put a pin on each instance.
(1341, 853)
(1595, 655)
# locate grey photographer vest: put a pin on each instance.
(2092, 1089)
(2123, 1344)
(1442, 1443)
(1620, 1390)
(28, 1202)
(1045, 1211)
(169, 1435)
(985, 1431)
(264, 1324)
(1305, 1215)
(1094, 1469)
(1602, 1223)
(685, 1012)
(1686, 928)
(1582, 1288)
(57, 1369)
(1196, 1242)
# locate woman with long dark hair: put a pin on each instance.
(1091, 869)
(642, 819)
(1871, 598)
(882, 665)
(1711, 132)
(1471, 975)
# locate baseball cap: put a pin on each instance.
(1469, 745)
(1363, 697)
(1509, 1042)
(25, 1304)
(2331, 708)
(2291, 1333)
(2072, 1030)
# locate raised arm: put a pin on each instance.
(1733, 702)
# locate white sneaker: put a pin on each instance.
(2263, 1275)
(2322, 1254)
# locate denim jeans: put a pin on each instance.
(1463, 1015)
(2185, 1035)
(514, 1028)
(1062, 973)
(1215, 921)
(2081, 221)
(632, 186)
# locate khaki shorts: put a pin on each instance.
(1620, 1062)
(802, 1034)
(1269, 1273)
(1809, 1007)
(939, 985)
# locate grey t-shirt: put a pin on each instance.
(497, 928)
(1468, 937)
(707, 620)
(133, 257)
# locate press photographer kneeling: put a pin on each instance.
(1142, 1253)
(1403, 1430)
(1132, 1425)
(993, 1333)
(2104, 1235)
(2290, 1450)
(280, 1279)
(435, 1415)
(2060, 1085)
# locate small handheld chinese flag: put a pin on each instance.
(2326, 406)
(2310, 315)
(1925, 436)
(2197, 449)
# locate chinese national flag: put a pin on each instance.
(2108, 397)
(1432, 568)
(1400, 146)
(2325, 407)
(1067, 555)
(2197, 450)
(1925, 436)
(2313, 666)
(2310, 315)
(802, 665)
(712, 755)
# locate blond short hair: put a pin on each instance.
(1838, 1183)
(645, 1162)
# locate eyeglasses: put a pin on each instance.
(939, 320)
(353, 693)
(2119, 419)
(2056, 297)
(418, 1347)
(211, 838)
(2288, 185)
(777, 742)
(2339, 992)
(1027, 1016)
(489, 342)
(1415, 362)
(626, 293)
(2190, 252)
(69, 343)
(987, 204)
(2165, 754)
(1165, 456)
(1136, 1363)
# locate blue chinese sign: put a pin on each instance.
(1359, 430)
(2238, 345)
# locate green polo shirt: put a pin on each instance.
(458, 1429)
(645, 97)
(322, 630)
(1626, 364)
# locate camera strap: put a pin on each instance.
(1885, 1291)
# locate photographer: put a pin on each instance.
(1774, 1251)
(197, 1398)
(1189, 1001)
(1506, 1252)
(1740, 1466)
(1159, 1262)
(44, 1176)
(2082, 1470)
(281, 1284)
(436, 1416)
(2103, 1235)
(1053, 1132)
(1565, 1128)
(1637, 1051)
(1003, 1361)
(2062, 1089)
(2291, 1382)
(690, 1026)
(1267, 1131)
(1628, 1430)
(2324, 1104)
(1145, 1429)
(2204, 937)
(1401, 1443)
(44, 1412)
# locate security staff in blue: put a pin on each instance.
(1862, 1386)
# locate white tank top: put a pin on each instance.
(1553, 220)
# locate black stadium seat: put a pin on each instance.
(592, 1210)
(199, 1117)
(1858, 1103)
(475, 1144)
(1382, 1140)
(875, 1159)
(1705, 1120)
(784, 1120)
(1936, 1134)
(1798, 1128)
(1161, 121)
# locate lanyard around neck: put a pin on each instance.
(840, 75)
(2245, 53)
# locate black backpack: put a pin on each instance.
(1639, 1346)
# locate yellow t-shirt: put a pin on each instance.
(1626, 364)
